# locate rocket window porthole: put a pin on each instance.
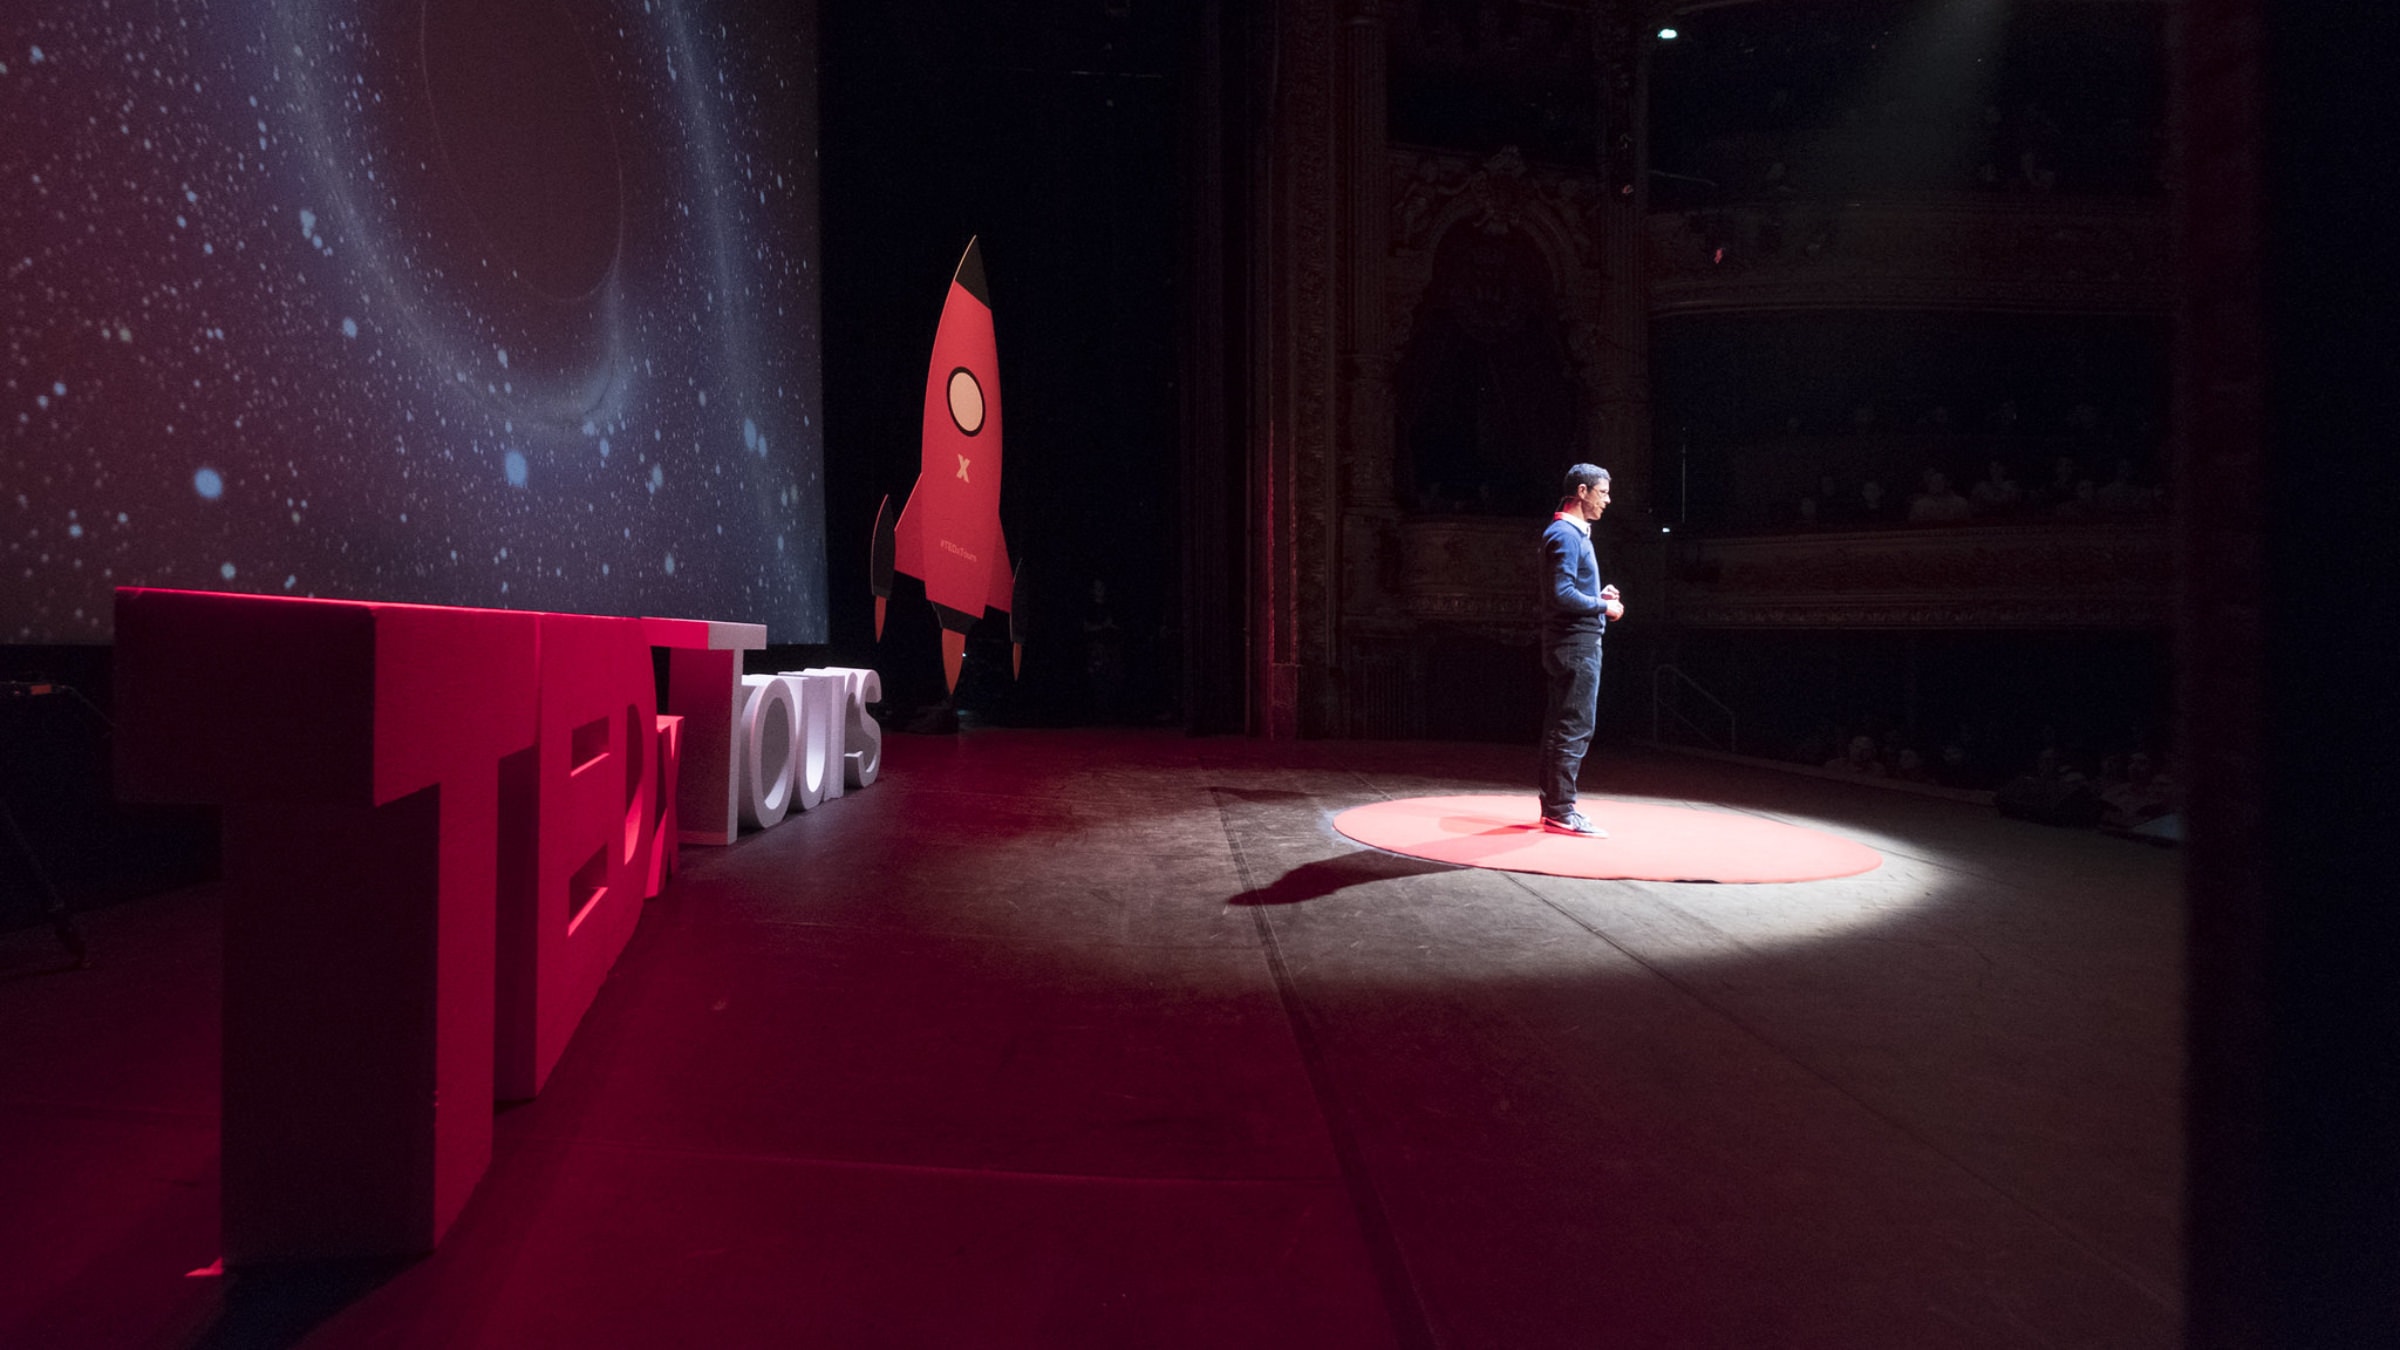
(966, 401)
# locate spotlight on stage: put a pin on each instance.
(1666, 35)
(1784, 877)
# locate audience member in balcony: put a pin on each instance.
(1870, 503)
(1860, 759)
(1910, 767)
(1961, 763)
(1955, 768)
(1993, 133)
(2002, 419)
(2065, 474)
(2055, 792)
(1939, 503)
(1832, 508)
(2051, 764)
(2033, 174)
(2147, 795)
(1103, 655)
(1997, 493)
(2118, 771)
(2112, 770)
(1936, 420)
(2121, 496)
(1889, 744)
(2081, 506)
(2141, 788)
(2037, 142)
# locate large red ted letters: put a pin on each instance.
(439, 826)
(578, 816)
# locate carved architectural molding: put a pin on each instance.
(1571, 221)
(1475, 572)
(1412, 577)
(1943, 252)
(2052, 576)
(1434, 191)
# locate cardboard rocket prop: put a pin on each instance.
(948, 534)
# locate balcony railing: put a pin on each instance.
(2049, 575)
(1937, 251)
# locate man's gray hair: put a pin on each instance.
(1581, 476)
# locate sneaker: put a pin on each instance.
(1573, 823)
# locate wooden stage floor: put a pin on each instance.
(1106, 1038)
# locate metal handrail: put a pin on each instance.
(1658, 703)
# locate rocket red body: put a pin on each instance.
(948, 535)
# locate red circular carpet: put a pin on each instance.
(1645, 843)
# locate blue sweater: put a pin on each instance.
(1571, 608)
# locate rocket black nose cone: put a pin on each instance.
(970, 274)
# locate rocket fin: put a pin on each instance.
(879, 563)
(954, 651)
(908, 537)
(1016, 606)
(1001, 593)
(899, 547)
(1017, 624)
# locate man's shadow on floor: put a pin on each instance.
(1316, 880)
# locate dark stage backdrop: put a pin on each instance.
(484, 302)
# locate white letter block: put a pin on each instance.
(817, 757)
(862, 737)
(769, 736)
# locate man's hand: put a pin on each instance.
(1611, 602)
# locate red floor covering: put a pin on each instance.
(1645, 842)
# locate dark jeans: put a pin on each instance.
(1572, 671)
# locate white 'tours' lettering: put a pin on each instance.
(804, 735)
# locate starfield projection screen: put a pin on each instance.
(504, 303)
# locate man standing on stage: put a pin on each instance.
(1576, 609)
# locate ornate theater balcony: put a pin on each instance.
(1479, 576)
(1992, 253)
(2097, 574)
